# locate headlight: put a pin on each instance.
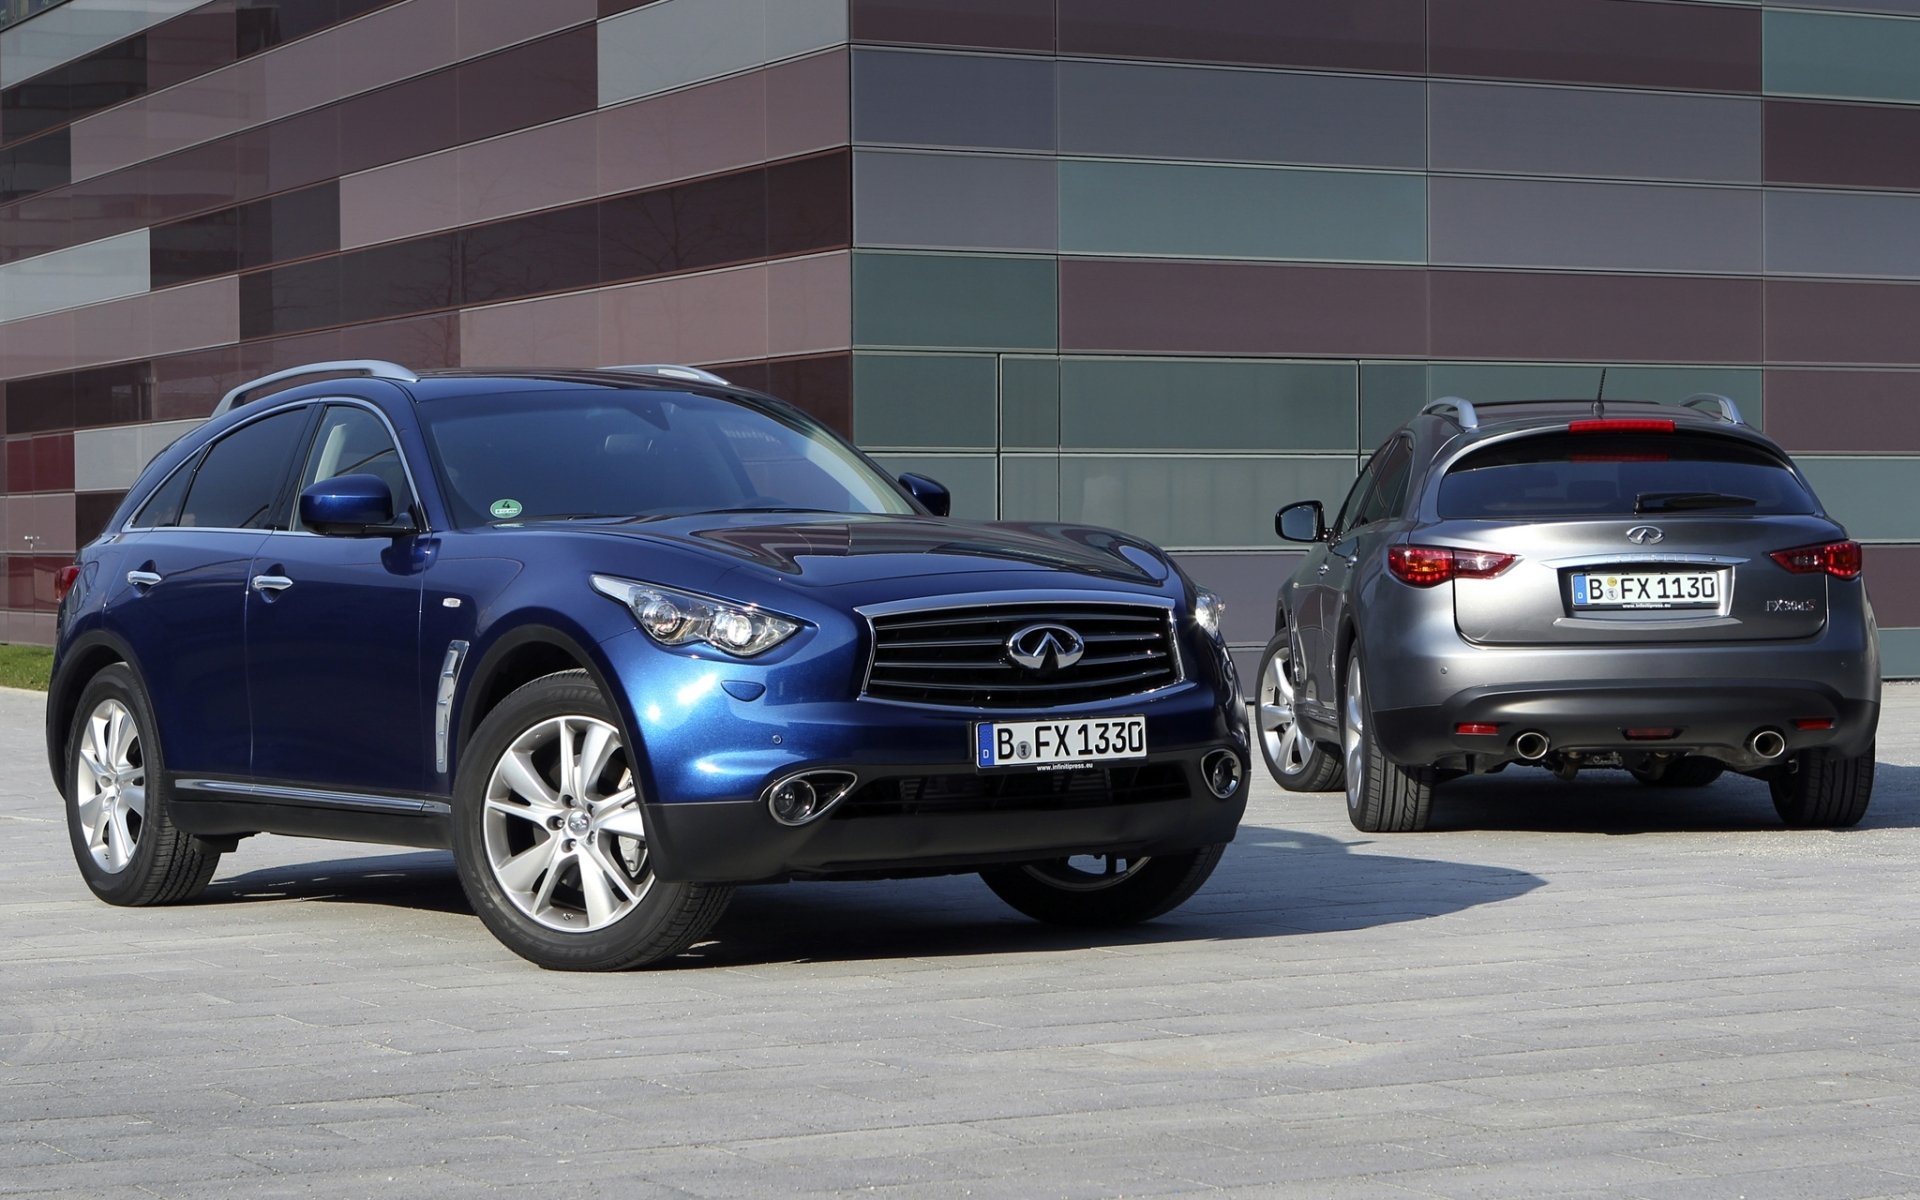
(1208, 609)
(675, 618)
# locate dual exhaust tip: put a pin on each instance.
(1533, 745)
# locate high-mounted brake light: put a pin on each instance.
(1427, 566)
(1838, 559)
(1622, 425)
(63, 580)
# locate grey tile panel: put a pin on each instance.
(925, 400)
(1868, 234)
(1190, 211)
(1842, 55)
(75, 29)
(913, 98)
(1594, 226)
(669, 45)
(1029, 401)
(1248, 582)
(1868, 495)
(1529, 130)
(1195, 501)
(957, 301)
(1138, 110)
(972, 478)
(955, 201)
(1188, 404)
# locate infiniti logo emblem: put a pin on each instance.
(1045, 648)
(1644, 535)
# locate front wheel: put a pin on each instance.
(1382, 795)
(549, 842)
(1296, 762)
(1819, 789)
(119, 816)
(1103, 890)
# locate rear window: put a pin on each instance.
(1616, 474)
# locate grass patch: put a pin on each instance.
(25, 666)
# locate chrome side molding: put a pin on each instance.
(443, 701)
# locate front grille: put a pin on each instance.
(957, 657)
(1028, 791)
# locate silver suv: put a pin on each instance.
(1573, 585)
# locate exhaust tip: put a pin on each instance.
(1767, 743)
(1532, 745)
(1221, 768)
(806, 796)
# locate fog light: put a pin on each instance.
(793, 802)
(1222, 771)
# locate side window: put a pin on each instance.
(163, 506)
(1394, 466)
(1350, 508)
(353, 441)
(239, 481)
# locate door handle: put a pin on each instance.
(271, 583)
(143, 579)
(1324, 568)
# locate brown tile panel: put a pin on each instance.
(529, 84)
(264, 24)
(1629, 43)
(281, 228)
(1893, 583)
(1160, 306)
(609, 8)
(190, 45)
(112, 395)
(1357, 35)
(90, 513)
(822, 384)
(1833, 410)
(87, 84)
(30, 581)
(40, 464)
(975, 24)
(800, 206)
(1604, 318)
(1841, 145)
(1811, 321)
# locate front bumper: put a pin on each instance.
(706, 755)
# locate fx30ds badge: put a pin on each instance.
(1780, 606)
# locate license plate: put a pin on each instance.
(1646, 589)
(1054, 745)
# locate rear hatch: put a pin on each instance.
(1637, 535)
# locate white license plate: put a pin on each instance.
(1646, 589)
(1057, 744)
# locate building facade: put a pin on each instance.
(1154, 264)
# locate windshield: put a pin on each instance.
(629, 452)
(1586, 474)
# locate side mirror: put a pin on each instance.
(350, 506)
(1304, 521)
(932, 495)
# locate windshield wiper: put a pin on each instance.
(1647, 502)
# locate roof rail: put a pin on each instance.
(1453, 406)
(671, 371)
(1715, 404)
(373, 367)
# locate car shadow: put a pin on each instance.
(1613, 802)
(1272, 882)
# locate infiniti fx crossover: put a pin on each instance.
(621, 640)
(1573, 585)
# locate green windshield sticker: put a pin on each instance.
(505, 510)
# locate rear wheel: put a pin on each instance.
(549, 841)
(1296, 762)
(1820, 789)
(1103, 890)
(1382, 795)
(1690, 772)
(118, 805)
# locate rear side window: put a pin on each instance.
(163, 507)
(239, 481)
(1620, 474)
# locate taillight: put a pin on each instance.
(63, 580)
(1838, 559)
(1622, 425)
(1426, 566)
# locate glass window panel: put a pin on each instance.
(904, 98)
(924, 400)
(239, 482)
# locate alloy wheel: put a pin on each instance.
(1280, 732)
(111, 785)
(1088, 872)
(1352, 733)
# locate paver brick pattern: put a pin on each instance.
(1592, 989)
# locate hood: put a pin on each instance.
(831, 549)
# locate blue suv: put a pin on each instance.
(621, 640)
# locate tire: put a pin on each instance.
(1692, 771)
(1819, 789)
(1126, 892)
(119, 808)
(1382, 796)
(562, 879)
(1296, 762)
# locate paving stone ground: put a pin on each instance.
(1591, 989)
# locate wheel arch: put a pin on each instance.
(80, 661)
(515, 659)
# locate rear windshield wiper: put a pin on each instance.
(1647, 502)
